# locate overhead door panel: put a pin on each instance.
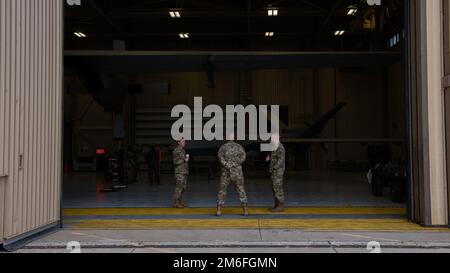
(30, 114)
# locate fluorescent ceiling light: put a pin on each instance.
(339, 32)
(175, 14)
(272, 12)
(352, 11)
(184, 35)
(80, 34)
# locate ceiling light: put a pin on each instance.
(175, 14)
(272, 12)
(184, 35)
(352, 11)
(339, 32)
(80, 34)
(270, 34)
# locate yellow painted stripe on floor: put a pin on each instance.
(345, 224)
(254, 211)
(168, 224)
(307, 224)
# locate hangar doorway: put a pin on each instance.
(343, 66)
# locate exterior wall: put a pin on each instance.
(430, 206)
(31, 46)
(446, 30)
(2, 207)
(435, 134)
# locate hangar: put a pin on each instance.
(361, 86)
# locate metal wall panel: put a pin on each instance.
(31, 35)
(417, 195)
(446, 7)
(427, 142)
(2, 205)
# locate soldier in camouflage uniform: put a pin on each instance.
(277, 168)
(231, 157)
(181, 167)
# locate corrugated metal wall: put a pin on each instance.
(446, 6)
(427, 134)
(31, 45)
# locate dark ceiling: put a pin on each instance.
(232, 25)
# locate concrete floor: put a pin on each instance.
(303, 189)
(241, 251)
(309, 188)
(240, 241)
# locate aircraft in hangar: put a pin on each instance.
(107, 76)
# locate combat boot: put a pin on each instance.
(279, 208)
(245, 208)
(179, 204)
(219, 211)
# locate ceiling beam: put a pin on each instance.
(207, 4)
(309, 3)
(106, 17)
(336, 5)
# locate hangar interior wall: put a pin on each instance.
(374, 97)
(30, 114)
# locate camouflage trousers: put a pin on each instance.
(180, 187)
(237, 177)
(277, 185)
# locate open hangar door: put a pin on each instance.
(427, 102)
(31, 65)
(337, 74)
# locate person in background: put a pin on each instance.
(131, 161)
(277, 168)
(181, 167)
(153, 163)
